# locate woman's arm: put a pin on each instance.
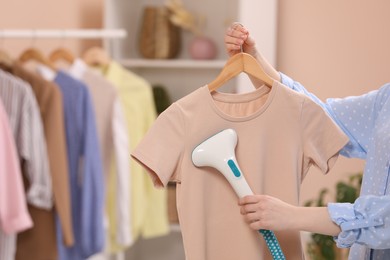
(266, 212)
(367, 221)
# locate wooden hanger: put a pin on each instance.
(36, 55)
(61, 54)
(240, 62)
(96, 56)
(5, 58)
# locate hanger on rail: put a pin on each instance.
(35, 55)
(96, 57)
(5, 58)
(61, 54)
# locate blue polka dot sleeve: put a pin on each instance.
(367, 221)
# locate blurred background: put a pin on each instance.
(334, 48)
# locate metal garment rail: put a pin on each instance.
(64, 33)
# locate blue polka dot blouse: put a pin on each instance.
(365, 119)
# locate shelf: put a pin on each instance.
(174, 63)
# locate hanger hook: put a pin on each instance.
(235, 26)
(34, 37)
(63, 38)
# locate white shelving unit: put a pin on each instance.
(258, 15)
(128, 15)
(181, 75)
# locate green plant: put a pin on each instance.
(322, 247)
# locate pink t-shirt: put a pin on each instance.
(281, 133)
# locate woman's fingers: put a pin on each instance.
(235, 37)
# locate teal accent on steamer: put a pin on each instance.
(269, 236)
(272, 244)
(234, 168)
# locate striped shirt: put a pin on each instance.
(26, 124)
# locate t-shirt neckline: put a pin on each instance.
(240, 97)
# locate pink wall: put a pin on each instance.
(335, 48)
(49, 14)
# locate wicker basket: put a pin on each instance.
(159, 38)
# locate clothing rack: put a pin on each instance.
(104, 34)
(64, 33)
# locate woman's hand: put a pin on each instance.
(266, 212)
(236, 36)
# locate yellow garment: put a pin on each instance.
(149, 205)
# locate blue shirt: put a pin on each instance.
(365, 119)
(85, 169)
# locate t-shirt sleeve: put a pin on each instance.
(322, 138)
(161, 149)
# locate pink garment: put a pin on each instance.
(14, 216)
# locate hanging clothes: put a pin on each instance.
(26, 124)
(14, 216)
(210, 219)
(149, 206)
(85, 169)
(40, 241)
(114, 143)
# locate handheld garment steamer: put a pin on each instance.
(218, 152)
